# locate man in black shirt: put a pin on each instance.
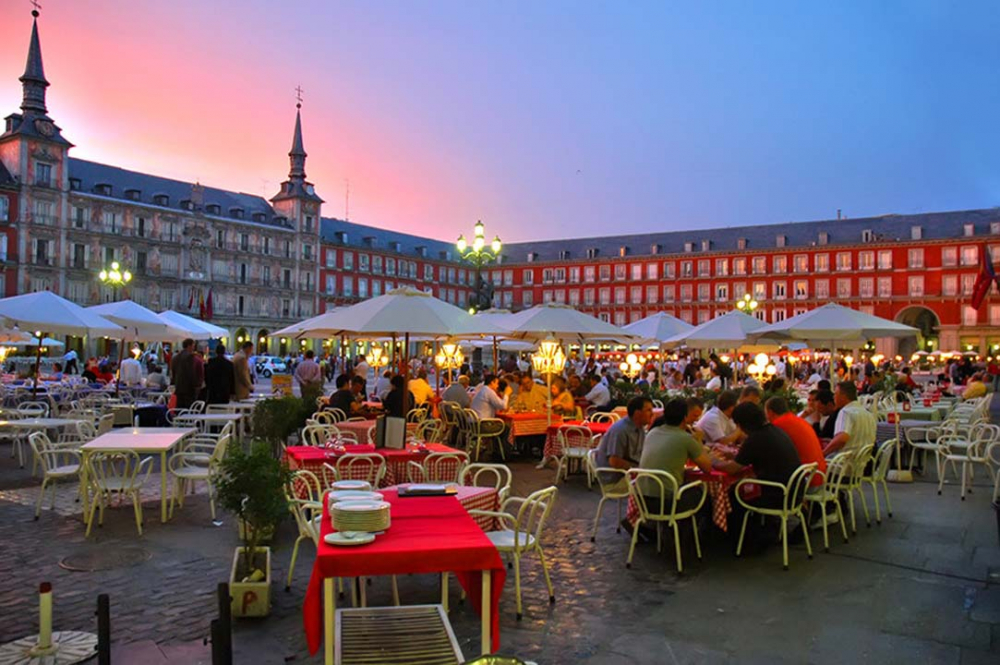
(343, 398)
(826, 406)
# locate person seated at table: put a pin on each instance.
(906, 382)
(827, 411)
(530, 397)
(422, 391)
(343, 397)
(750, 394)
(491, 398)
(715, 383)
(458, 392)
(621, 445)
(383, 385)
(825, 385)
(668, 447)
(855, 425)
(814, 378)
(599, 396)
(575, 387)
(975, 388)
(156, 379)
(57, 372)
(106, 373)
(801, 433)
(563, 403)
(717, 423)
(773, 457)
(695, 411)
(809, 413)
(393, 402)
(675, 380)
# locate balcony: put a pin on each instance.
(44, 220)
(43, 261)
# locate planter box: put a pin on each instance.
(265, 536)
(251, 599)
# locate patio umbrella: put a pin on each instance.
(140, 323)
(195, 328)
(45, 312)
(499, 318)
(658, 327)
(732, 330)
(34, 341)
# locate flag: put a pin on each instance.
(208, 306)
(201, 304)
(191, 299)
(984, 281)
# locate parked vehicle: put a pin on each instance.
(268, 365)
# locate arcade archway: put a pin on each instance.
(924, 320)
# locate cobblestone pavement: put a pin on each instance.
(923, 587)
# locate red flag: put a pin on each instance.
(191, 300)
(208, 306)
(201, 305)
(987, 275)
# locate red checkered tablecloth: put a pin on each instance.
(553, 447)
(526, 424)
(313, 459)
(717, 483)
(471, 498)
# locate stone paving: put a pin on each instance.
(923, 587)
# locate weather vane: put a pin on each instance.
(34, 3)
(298, 92)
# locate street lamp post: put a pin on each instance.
(116, 278)
(747, 304)
(478, 254)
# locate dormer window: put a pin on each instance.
(396, 246)
(563, 254)
(341, 237)
(187, 204)
(623, 251)
(781, 241)
(74, 184)
(236, 213)
(368, 241)
(281, 221)
(161, 200)
(741, 243)
(995, 228)
(867, 235)
(444, 255)
(532, 256)
(133, 194)
(655, 248)
(706, 245)
(421, 250)
(213, 209)
(968, 230)
(592, 253)
(103, 189)
(824, 237)
(259, 217)
(689, 247)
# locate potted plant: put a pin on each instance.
(252, 487)
(277, 418)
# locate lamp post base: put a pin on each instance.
(899, 476)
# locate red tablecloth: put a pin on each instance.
(552, 446)
(717, 483)
(428, 535)
(471, 498)
(357, 427)
(312, 459)
(526, 424)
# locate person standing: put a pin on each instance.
(187, 373)
(220, 378)
(130, 373)
(243, 385)
(69, 362)
(308, 373)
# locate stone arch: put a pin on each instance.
(262, 346)
(927, 322)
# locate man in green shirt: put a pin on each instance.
(668, 447)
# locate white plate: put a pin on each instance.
(337, 496)
(362, 506)
(358, 538)
(359, 485)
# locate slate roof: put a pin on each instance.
(383, 239)
(92, 174)
(936, 225)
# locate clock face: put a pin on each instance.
(45, 127)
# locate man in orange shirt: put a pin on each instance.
(800, 432)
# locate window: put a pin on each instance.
(288, 252)
(721, 267)
(376, 288)
(741, 243)
(885, 259)
(605, 273)
(547, 276)
(588, 296)
(244, 273)
(574, 275)
(109, 255)
(80, 217)
(508, 278)
(348, 260)
(619, 295)
(949, 256)
(970, 255)
(140, 262)
(286, 278)
(652, 294)
(704, 268)
(949, 285)
(687, 293)
(170, 264)
(759, 265)
(589, 274)
(429, 273)
(652, 271)
(559, 274)
(364, 262)
(348, 283)
(687, 269)
(780, 264)
(824, 237)
(780, 241)
(801, 263)
(669, 269)
(635, 297)
(362, 287)
(267, 247)
(140, 227)
(822, 289)
(704, 294)
(79, 255)
(995, 228)
(970, 316)
(885, 287)
(968, 283)
(604, 296)
(844, 287)
(5, 208)
(822, 263)
(266, 278)
(866, 287)
(801, 289)
(866, 260)
(722, 292)
(916, 233)
(527, 298)
(739, 290)
(43, 174)
(636, 272)
(759, 290)
(546, 297)
(331, 257)
(668, 293)
(968, 230)
(527, 276)
(844, 261)
(390, 268)
(574, 297)
(779, 315)
(994, 315)
(779, 290)
(740, 266)
(916, 257)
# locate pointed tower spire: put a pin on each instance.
(33, 80)
(297, 155)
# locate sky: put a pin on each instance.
(545, 119)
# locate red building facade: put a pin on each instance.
(9, 205)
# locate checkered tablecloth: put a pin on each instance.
(471, 498)
(553, 445)
(525, 424)
(886, 431)
(313, 459)
(718, 485)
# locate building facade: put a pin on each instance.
(255, 265)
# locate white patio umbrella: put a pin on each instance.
(501, 319)
(658, 327)
(14, 337)
(34, 341)
(729, 331)
(140, 323)
(194, 328)
(45, 312)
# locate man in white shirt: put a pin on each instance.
(717, 424)
(130, 373)
(599, 394)
(361, 369)
(69, 362)
(383, 385)
(855, 426)
(488, 401)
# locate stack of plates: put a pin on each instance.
(361, 515)
(361, 485)
(336, 496)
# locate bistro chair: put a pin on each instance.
(521, 533)
(498, 476)
(665, 510)
(438, 468)
(116, 473)
(36, 409)
(105, 424)
(614, 491)
(851, 483)
(57, 462)
(304, 494)
(483, 429)
(827, 493)
(792, 496)
(337, 415)
(968, 451)
(603, 417)
(575, 442)
(356, 466)
(326, 417)
(877, 477)
(188, 468)
(429, 431)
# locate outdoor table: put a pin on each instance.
(357, 427)
(141, 440)
(526, 424)
(717, 483)
(39, 423)
(428, 535)
(313, 458)
(916, 413)
(209, 421)
(553, 447)
(471, 498)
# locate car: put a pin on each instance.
(268, 365)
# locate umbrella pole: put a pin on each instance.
(437, 373)
(548, 382)
(38, 365)
(118, 368)
(496, 363)
(406, 374)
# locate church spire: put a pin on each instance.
(297, 155)
(33, 80)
